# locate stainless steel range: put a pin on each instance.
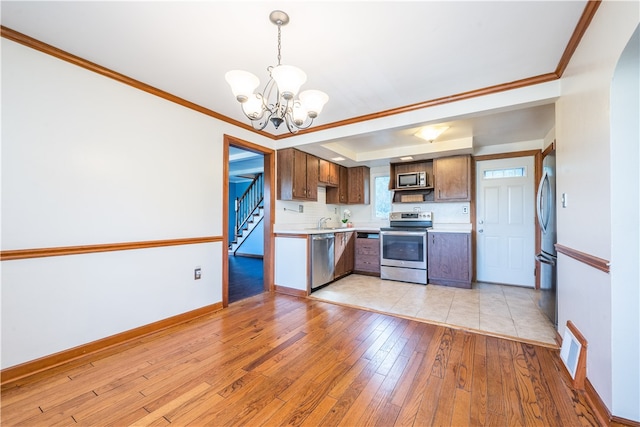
(403, 247)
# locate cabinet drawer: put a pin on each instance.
(368, 250)
(371, 265)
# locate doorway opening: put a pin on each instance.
(247, 260)
(246, 227)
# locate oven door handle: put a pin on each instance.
(403, 233)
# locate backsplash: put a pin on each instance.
(443, 213)
(287, 213)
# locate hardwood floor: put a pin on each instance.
(274, 360)
(245, 277)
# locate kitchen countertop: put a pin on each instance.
(293, 230)
(437, 228)
(451, 228)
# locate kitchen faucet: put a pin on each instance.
(322, 222)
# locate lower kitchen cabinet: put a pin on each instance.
(367, 254)
(449, 259)
(344, 251)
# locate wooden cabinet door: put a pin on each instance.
(338, 195)
(343, 184)
(312, 177)
(285, 174)
(358, 178)
(328, 173)
(299, 175)
(343, 253)
(449, 259)
(334, 176)
(452, 176)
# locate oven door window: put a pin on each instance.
(404, 248)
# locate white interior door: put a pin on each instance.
(505, 221)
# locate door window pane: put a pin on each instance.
(505, 173)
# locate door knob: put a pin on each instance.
(481, 222)
(480, 231)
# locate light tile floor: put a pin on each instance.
(500, 310)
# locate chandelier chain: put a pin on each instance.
(277, 104)
(279, 43)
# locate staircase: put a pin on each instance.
(249, 210)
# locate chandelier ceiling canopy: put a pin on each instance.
(277, 103)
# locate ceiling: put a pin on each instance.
(368, 56)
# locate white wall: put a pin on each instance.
(87, 160)
(625, 231)
(584, 173)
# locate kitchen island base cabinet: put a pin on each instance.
(449, 259)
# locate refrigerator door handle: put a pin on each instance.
(542, 205)
(542, 257)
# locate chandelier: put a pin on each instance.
(277, 103)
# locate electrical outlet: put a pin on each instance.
(197, 273)
(465, 209)
(301, 208)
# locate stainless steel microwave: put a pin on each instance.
(411, 180)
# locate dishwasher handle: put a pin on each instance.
(323, 236)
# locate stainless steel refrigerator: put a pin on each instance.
(546, 212)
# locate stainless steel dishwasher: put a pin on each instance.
(322, 259)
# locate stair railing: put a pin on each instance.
(247, 204)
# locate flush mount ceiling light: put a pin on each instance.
(277, 103)
(430, 133)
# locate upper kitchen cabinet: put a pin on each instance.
(452, 179)
(297, 175)
(358, 179)
(328, 174)
(338, 195)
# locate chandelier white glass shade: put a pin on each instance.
(277, 103)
